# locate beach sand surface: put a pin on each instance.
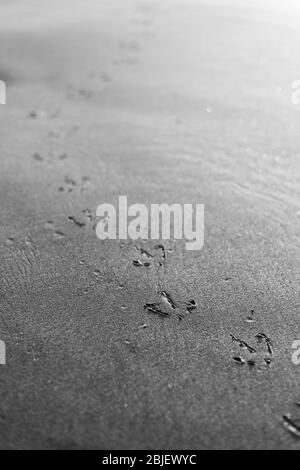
(174, 101)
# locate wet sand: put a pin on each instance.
(171, 101)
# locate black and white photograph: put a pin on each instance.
(149, 228)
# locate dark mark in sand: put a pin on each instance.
(251, 363)
(168, 299)
(37, 157)
(161, 247)
(261, 337)
(76, 222)
(238, 360)
(155, 309)
(88, 214)
(190, 305)
(57, 235)
(292, 425)
(243, 344)
(144, 252)
(250, 318)
(137, 262)
(70, 181)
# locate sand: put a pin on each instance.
(174, 101)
